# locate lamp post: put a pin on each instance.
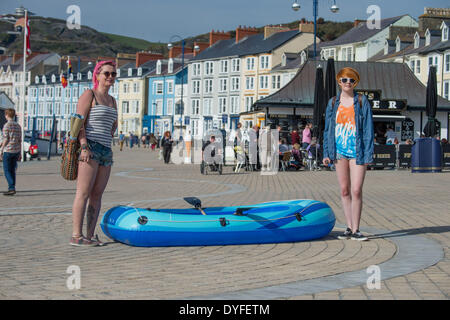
(334, 8)
(170, 46)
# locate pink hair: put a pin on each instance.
(97, 68)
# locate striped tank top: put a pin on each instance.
(99, 124)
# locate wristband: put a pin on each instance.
(84, 147)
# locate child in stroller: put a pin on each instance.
(212, 159)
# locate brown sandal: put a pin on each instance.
(81, 241)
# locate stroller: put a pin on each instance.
(311, 157)
(212, 155)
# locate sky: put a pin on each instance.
(163, 20)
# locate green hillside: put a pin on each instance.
(52, 35)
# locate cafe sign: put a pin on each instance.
(374, 97)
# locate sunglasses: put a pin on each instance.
(344, 80)
(112, 74)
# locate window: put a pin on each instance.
(447, 62)
(303, 57)
(446, 93)
(195, 106)
(234, 104)
(158, 107)
(222, 105)
(130, 72)
(417, 66)
(195, 127)
(224, 66)
(135, 106)
(264, 62)
(347, 54)
(328, 53)
(276, 82)
(125, 87)
(235, 65)
(223, 85)
(136, 87)
(248, 102)
(58, 108)
(427, 37)
(170, 106)
(58, 92)
(434, 61)
(416, 40)
(249, 83)
(208, 86)
(207, 106)
(170, 86)
(444, 32)
(235, 83)
(250, 63)
(209, 68)
(196, 69)
(158, 87)
(196, 86)
(264, 82)
(412, 65)
(125, 107)
(139, 71)
(158, 67)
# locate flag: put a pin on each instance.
(64, 81)
(27, 34)
(69, 66)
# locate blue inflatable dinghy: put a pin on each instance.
(270, 222)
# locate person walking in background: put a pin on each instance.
(348, 140)
(153, 141)
(96, 158)
(10, 150)
(121, 140)
(166, 144)
(306, 136)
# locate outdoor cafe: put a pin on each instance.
(397, 97)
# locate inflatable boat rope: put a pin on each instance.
(144, 219)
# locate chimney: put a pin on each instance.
(215, 36)
(201, 45)
(270, 30)
(242, 32)
(176, 51)
(357, 21)
(307, 27)
(143, 57)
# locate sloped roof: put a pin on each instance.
(395, 80)
(361, 32)
(250, 45)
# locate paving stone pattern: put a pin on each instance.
(35, 228)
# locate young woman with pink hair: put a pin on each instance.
(100, 113)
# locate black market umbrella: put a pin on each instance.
(330, 81)
(318, 108)
(430, 129)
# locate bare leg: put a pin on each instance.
(95, 199)
(357, 175)
(87, 172)
(343, 175)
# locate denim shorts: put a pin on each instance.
(341, 156)
(103, 155)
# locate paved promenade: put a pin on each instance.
(407, 216)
